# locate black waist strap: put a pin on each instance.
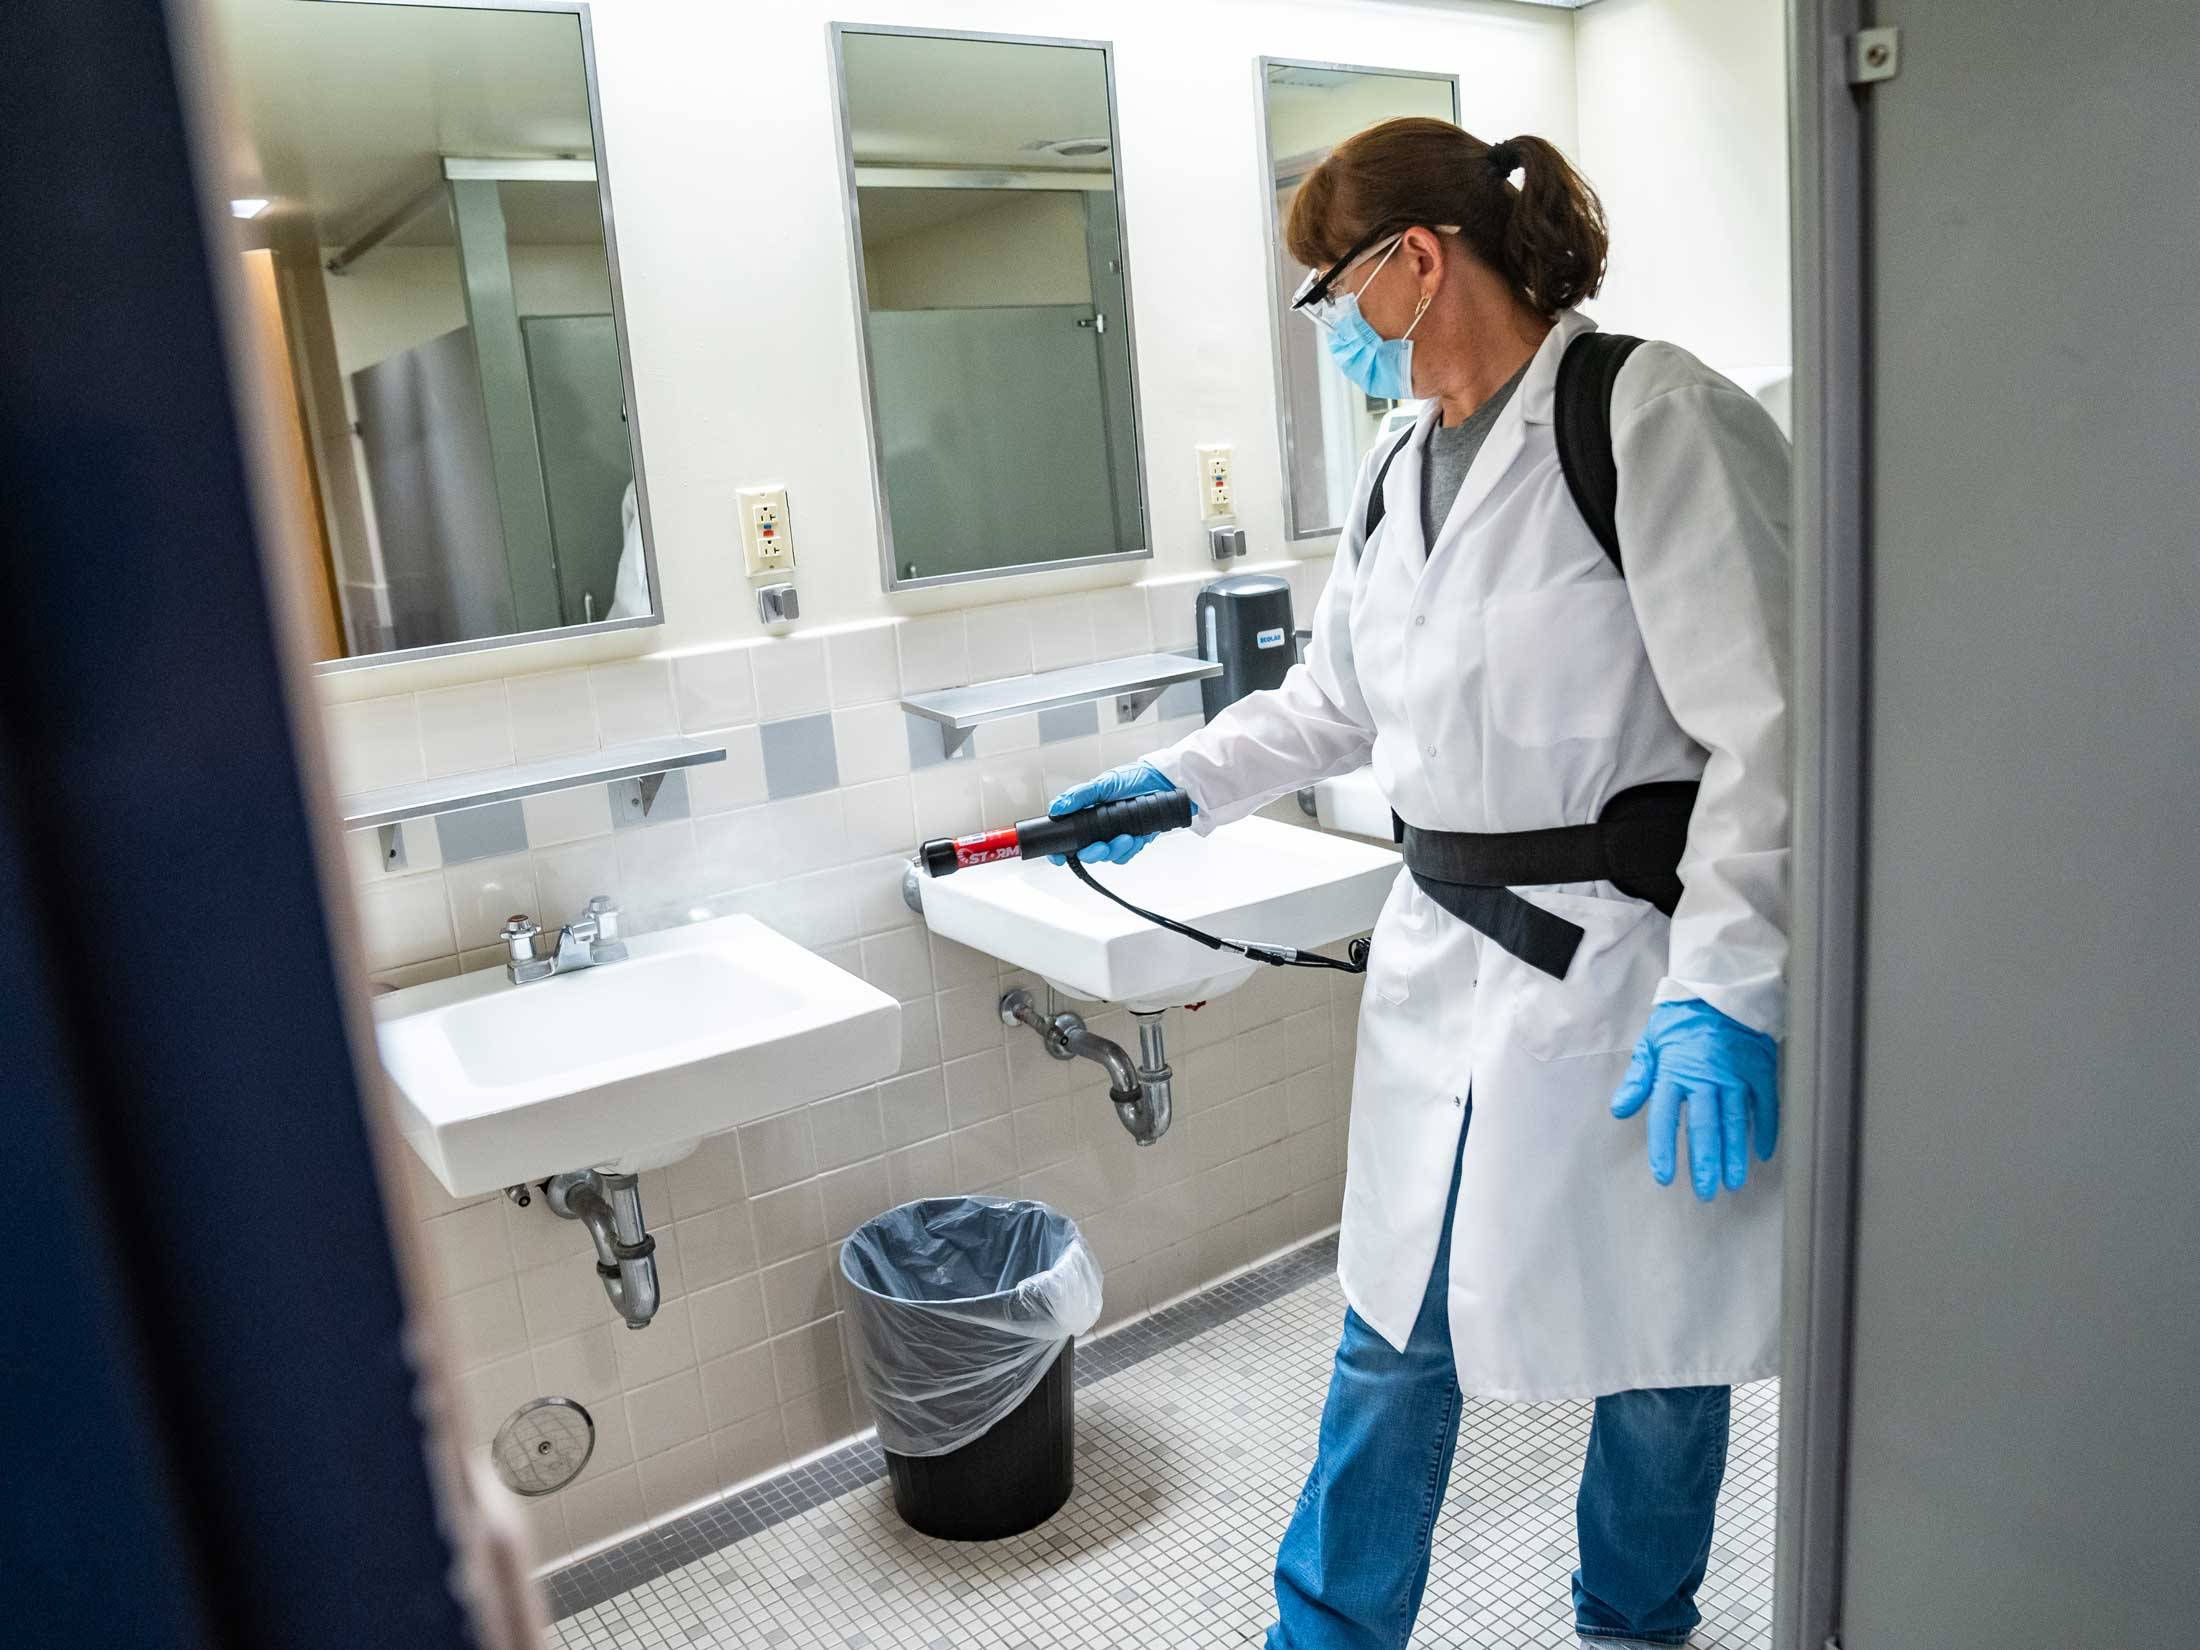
(1635, 844)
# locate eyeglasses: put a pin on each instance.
(1317, 296)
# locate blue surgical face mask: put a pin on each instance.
(1383, 367)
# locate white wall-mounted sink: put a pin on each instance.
(1353, 803)
(1254, 880)
(700, 1029)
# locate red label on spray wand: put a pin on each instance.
(986, 847)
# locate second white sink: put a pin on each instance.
(1254, 880)
(698, 1030)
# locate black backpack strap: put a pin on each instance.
(1375, 499)
(1586, 374)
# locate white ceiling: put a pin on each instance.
(345, 110)
(919, 101)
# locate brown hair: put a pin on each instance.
(1546, 237)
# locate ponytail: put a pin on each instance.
(1545, 236)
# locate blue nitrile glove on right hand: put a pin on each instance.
(1131, 779)
(1724, 1074)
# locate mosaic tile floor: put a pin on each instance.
(1190, 1454)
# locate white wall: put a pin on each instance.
(1026, 247)
(400, 296)
(721, 146)
(1683, 131)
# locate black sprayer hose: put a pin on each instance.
(1279, 956)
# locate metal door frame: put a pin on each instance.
(1832, 414)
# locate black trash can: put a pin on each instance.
(966, 1311)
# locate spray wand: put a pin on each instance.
(1145, 815)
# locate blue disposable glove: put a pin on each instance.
(1724, 1075)
(1131, 779)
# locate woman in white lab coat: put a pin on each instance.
(1501, 1233)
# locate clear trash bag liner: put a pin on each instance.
(961, 1305)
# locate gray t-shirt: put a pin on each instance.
(1450, 455)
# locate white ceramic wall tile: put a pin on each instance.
(1061, 633)
(739, 1385)
(566, 816)
(487, 891)
(1120, 625)
(737, 782)
(913, 1108)
(598, 1511)
(675, 1479)
(999, 640)
(808, 1358)
(404, 920)
(568, 877)
(488, 1394)
(935, 653)
(633, 700)
(749, 1448)
(717, 1246)
(800, 1290)
(846, 1129)
(873, 742)
(881, 818)
(777, 1151)
(663, 1413)
(977, 1087)
(714, 690)
(791, 677)
(553, 714)
(864, 664)
(853, 1195)
(464, 729)
(1171, 614)
(787, 1222)
(727, 1317)
(374, 742)
(947, 800)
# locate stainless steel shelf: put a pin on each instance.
(1133, 683)
(644, 760)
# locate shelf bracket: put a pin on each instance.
(633, 798)
(1129, 707)
(392, 838)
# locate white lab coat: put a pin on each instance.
(1509, 680)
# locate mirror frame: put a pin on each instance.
(861, 287)
(578, 10)
(1294, 530)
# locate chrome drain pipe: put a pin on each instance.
(610, 1206)
(1140, 1089)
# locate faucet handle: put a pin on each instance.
(605, 910)
(520, 933)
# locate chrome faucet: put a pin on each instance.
(589, 939)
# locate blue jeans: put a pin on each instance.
(1355, 1560)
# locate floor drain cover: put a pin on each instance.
(543, 1445)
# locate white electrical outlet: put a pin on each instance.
(1217, 500)
(767, 533)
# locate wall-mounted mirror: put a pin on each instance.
(993, 301)
(1307, 109)
(420, 205)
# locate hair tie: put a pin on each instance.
(1505, 158)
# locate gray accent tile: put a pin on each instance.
(799, 756)
(481, 833)
(671, 802)
(1180, 699)
(928, 742)
(1068, 722)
